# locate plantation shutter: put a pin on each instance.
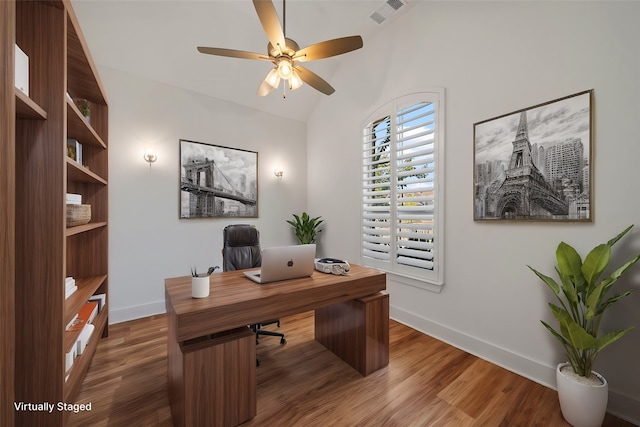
(399, 200)
(415, 168)
(377, 182)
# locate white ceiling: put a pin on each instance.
(157, 39)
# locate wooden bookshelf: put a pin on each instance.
(35, 176)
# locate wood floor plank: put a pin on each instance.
(427, 383)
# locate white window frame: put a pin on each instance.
(433, 276)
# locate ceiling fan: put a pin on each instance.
(285, 53)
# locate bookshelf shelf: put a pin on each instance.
(79, 173)
(26, 108)
(72, 231)
(78, 128)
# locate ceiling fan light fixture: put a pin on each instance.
(273, 78)
(285, 68)
(286, 54)
(295, 81)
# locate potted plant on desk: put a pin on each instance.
(200, 282)
(583, 393)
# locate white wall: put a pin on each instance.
(493, 58)
(147, 240)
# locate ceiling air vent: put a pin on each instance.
(386, 10)
(395, 4)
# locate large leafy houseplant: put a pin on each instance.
(583, 301)
(305, 227)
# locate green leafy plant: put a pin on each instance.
(306, 228)
(83, 106)
(583, 301)
(194, 272)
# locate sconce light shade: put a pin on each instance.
(150, 156)
(278, 172)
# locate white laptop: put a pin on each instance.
(284, 262)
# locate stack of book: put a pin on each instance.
(74, 199)
(69, 287)
(81, 322)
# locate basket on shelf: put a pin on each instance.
(78, 215)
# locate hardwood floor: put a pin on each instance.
(427, 383)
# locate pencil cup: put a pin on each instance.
(200, 287)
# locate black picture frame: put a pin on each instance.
(536, 164)
(217, 181)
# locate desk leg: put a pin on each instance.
(174, 368)
(220, 379)
(212, 379)
(357, 331)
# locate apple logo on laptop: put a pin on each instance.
(290, 263)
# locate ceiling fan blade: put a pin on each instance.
(328, 48)
(270, 22)
(314, 80)
(231, 53)
(264, 89)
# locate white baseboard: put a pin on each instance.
(620, 405)
(136, 312)
(624, 407)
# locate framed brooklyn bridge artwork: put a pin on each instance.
(535, 164)
(217, 181)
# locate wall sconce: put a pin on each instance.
(150, 156)
(278, 172)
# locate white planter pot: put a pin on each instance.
(200, 287)
(582, 404)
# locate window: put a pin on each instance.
(402, 187)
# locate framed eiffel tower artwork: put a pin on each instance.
(217, 181)
(535, 164)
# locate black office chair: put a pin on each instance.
(241, 249)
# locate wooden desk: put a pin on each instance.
(211, 372)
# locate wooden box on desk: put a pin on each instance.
(212, 380)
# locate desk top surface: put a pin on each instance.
(235, 300)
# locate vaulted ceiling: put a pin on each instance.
(157, 39)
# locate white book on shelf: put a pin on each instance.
(101, 298)
(83, 338)
(70, 291)
(70, 357)
(21, 70)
